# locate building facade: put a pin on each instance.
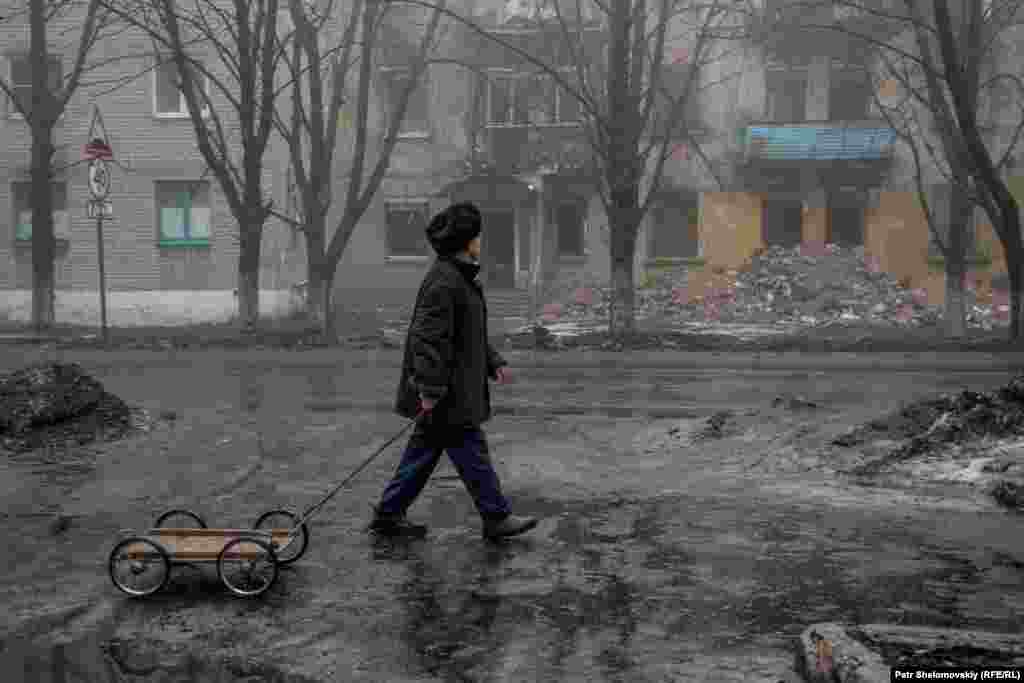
(786, 149)
(171, 243)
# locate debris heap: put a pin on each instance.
(57, 403)
(808, 285)
(931, 426)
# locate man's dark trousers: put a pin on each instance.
(468, 451)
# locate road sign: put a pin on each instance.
(97, 208)
(99, 179)
(97, 149)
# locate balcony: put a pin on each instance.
(520, 149)
(818, 141)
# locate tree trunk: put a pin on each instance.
(316, 259)
(318, 298)
(622, 311)
(43, 243)
(956, 264)
(1015, 270)
(249, 277)
(956, 305)
(329, 332)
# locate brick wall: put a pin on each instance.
(149, 149)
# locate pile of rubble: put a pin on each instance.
(57, 404)
(809, 285)
(949, 423)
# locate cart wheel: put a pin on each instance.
(188, 514)
(283, 519)
(247, 566)
(139, 566)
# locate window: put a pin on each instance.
(545, 11)
(569, 219)
(674, 83)
(518, 99)
(416, 123)
(168, 95)
(786, 92)
(407, 224)
(21, 81)
(21, 195)
(675, 227)
(849, 94)
(183, 213)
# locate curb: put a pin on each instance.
(685, 361)
(674, 411)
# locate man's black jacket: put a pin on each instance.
(448, 356)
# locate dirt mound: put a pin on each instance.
(51, 404)
(941, 425)
(958, 418)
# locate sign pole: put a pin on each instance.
(98, 151)
(103, 275)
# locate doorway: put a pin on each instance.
(846, 220)
(782, 222)
(498, 252)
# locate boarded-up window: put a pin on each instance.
(675, 226)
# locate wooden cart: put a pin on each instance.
(247, 559)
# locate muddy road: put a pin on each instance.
(668, 552)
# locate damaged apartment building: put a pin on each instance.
(786, 148)
(783, 147)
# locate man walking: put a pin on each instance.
(445, 370)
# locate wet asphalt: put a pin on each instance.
(660, 557)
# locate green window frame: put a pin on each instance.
(183, 213)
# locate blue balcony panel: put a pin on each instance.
(819, 142)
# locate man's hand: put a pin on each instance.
(426, 405)
(503, 375)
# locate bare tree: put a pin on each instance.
(51, 91)
(922, 114)
(633, 119)
(948, 60)
(325, 79)
(244, 37)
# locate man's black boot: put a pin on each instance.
(396, 525)
(508, 527)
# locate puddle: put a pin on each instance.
(96, 661)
